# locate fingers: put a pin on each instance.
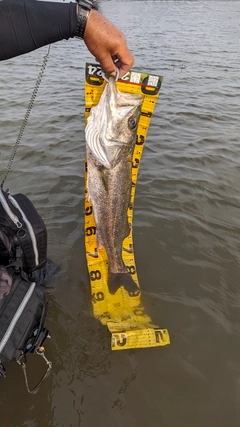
(122, 58)
(108, 44)
(107, 64)
(124, 63)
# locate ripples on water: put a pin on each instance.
(186, 225)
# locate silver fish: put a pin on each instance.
(110, 139)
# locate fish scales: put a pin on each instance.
(110, 139)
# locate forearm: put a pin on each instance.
(27, 25)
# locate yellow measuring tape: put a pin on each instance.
(124, 315)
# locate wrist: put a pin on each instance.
(83, 9)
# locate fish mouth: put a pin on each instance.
(123, 98)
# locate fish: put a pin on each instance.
(110, 139)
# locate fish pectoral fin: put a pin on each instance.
(116, 280)
(100, 244)
(102, 178)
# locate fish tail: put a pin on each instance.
(116, 280)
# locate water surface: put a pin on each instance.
(186, 226)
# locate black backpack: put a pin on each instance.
(23, 234)
(23, 304)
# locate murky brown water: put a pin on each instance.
(186, 226)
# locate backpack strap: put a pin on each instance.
(2, 371)
(17, 263)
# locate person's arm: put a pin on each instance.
(27, 25)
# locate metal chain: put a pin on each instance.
(25, 120)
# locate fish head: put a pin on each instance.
(123, 116)
(112, 125)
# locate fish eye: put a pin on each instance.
(132, 122)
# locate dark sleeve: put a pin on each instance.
(26, 25)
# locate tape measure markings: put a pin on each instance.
(124, 315)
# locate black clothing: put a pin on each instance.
(26, 25)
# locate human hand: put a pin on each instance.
(108, 44)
